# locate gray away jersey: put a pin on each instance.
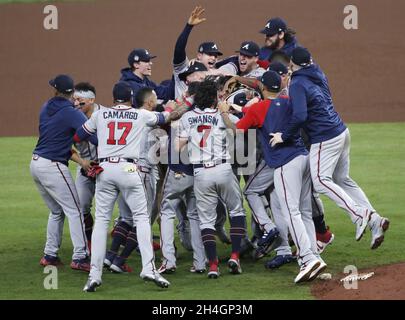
(207, 135)
(119, 130)
(87, 150)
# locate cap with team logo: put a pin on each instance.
(274, 26)
(137, 55)
(271, 80)
(240, 99)
(249, 48)
(195, 67)
(122, 92)
(278, 67)
(301, 57)
(63, 83)
(210, 48)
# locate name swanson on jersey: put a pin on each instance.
(116, 114)
(203, 119)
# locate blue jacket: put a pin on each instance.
(270, 116)
(58, 122)
(312, 106)
(164, 92)
(265, 52)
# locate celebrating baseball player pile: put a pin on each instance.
(168, 150)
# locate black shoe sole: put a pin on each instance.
(213, 276)
(380, 239)
(92, 288)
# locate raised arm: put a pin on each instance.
(181, 43)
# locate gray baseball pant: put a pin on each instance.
(175, 188)
(292, 183)
(116, 178)
(57, 189)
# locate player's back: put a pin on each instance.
(207, 135)
(119, 130)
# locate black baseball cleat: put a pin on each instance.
(91, 285)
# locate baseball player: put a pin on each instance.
(291, 171)
(203, 131)
(323, 234)
(84, 99)
(277, 37)
(138, 73)
(178, 188)
(118, 130)
(146, 98)
(207, 53)
(58, 121)
(330, 145)
(245, 63)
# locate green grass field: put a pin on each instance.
(377, 164)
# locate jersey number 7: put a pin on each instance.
(206, 132)
(127, 126)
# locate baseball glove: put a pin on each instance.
(93, 172)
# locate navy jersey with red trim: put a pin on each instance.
(270, 116)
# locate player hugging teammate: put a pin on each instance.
(302, 150)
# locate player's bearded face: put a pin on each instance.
(208, 60)
(272, 42)
(246, 64)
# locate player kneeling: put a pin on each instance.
(203, 129)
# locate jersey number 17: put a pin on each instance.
(112, 126)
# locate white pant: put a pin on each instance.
(56, 186)
(330, 164)
(120, 177)
(293, 186)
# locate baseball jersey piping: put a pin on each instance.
(321, 182)
(289, 212)
(76, 204)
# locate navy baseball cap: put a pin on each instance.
(195, 67)
(249, 48)
(301, 57)
(122, 92)
(63, 83)
(271, 80)
(274, 26)
(137, 55)
(278, 67)
(240, 99)
(210, 48)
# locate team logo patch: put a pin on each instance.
(246, 46)
(130, 168)
(136, 58)
(267, 25)
(215, 47)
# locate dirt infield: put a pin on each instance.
(387, 283)
(94, 39)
